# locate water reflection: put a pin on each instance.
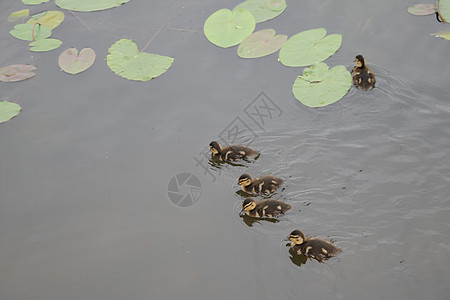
(249, 221)
(295, 258)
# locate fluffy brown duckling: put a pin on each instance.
(363, 77)
(231, 153)
(312, 247)
(266, 208)
(261, 185)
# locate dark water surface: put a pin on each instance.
(85, 167)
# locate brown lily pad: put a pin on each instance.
(73, 63)
(18, 72)
(261, 43)
(422, 9)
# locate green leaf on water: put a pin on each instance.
(320, 86)
(443, 8)
(226, 28)
(442, 34)
(8, 110)
(73, 63)
(309, 47)
(264, 10)
(18, 15)
(44, 45)
(25, 32)
(34, 2)
(261, 43)
(49, 19)
(15, 73)
(89, 5)
(422, 9)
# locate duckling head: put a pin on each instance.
(297, 237)
(245, 180)
(360, 61)
(215, 147)
(249, 204)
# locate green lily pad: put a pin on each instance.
(73, 63)
(34, 2)
(15, 73)
(320, 86)
(443, 8)
(422, 9)
(309, 47)
(8, 110)
(49, 19)
(442, 34)
(27, 31)
(263, 10)
(226, 28)
(44, 45)
(18, 15)
(126, 60)
(261, 43)
(89, 5)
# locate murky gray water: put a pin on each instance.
(85, 167)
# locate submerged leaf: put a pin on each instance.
(45, 45)
(8, 110)
(49, 19)
(26, 32)
(226, 28)
(18, 72)
(18, 15)
(89, 5)
(126, 60)
(309, 47)
(442, 34)
(320, 86)
(443, 8)
(422, 9)
(263, 10)
(34, 2)
(73, 63)
(261, 43)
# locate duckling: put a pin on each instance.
(266, 208)
(262, 185)
(312, 247)
(231, 153)
(363, 77)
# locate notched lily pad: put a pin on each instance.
(320, 86)
(443, 8)
(309, 47)
(73, 63)
(261, 43)
(18, 15)
(30, 32)
(17, 72)
(127, 61)
(50, 19)
(422, 9)
(89, 5)
(264, 10)
(226, 28)
(45, 45)
(8, 110)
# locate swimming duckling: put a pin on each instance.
(231, 153)
(265, 208)
(262, 185)
(363, 77)
(312, 247)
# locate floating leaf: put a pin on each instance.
(263, 10)
(126, 60)
(261, 43)
(34, 2)
(8, 110)
(309, 47)
(320, 86)
(49, 19)
(89, 5)
(73, 63)
(226, 28)
(442, 34)
(14, 73)
(18, 15)
(443, 8)
(422, 9)
(26, 32)
(45, 45)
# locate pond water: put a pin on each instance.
(86, 166)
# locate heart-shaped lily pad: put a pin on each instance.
(226, 28)
(45, 45)
(8, 110)
(126, 60)
(263, 10)
(422, 9)
(30, 32)
(18, 72)
(309, 47)
(443, 8)
(320, 86)
(261, 43)
(49, 19)
(73, 63)
(89, 5)
(18, 15)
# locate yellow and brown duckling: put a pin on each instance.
(231, 153)
(363, 77)
(261, 185)
(312, 247)
(269, 208)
